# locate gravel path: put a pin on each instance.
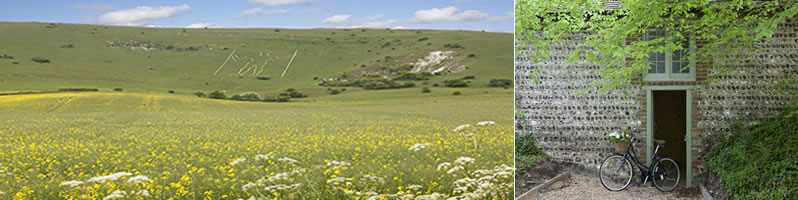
(584, 187)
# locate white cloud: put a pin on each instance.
(141, 15)
(494, 19)
(337, 20)
(380, 24)
(281, 2)
(375, 17)
(208, 25)
(261, 11)
(346, 21)
(448, 14)
(93, 7)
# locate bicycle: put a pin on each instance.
(616, 170)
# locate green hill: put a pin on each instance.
(185, 60)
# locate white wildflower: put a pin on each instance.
(464, 160)
(444, 165)
(485, 123)
(280, 187)
(373, 179)
(433, 196)
(461, 127)
(142, 193)
(336, 163)
(72, 183)
(418, 147)
(615, 135)
(340, 181)
(263, 157)
(112, 177)
(115, 195)
(1, 192)
(414, 187)
(248, 186)
(138, 179)
(238, 161)
(455, 169)
(287, 160)
(280, 177)
(383, 196)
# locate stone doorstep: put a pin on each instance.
(704, 193)
(531, 194)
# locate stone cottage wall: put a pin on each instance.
(574, 129)
(741, 96)
(568, 127)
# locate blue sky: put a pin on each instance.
(495, 16)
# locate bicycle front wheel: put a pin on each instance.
(615, 173)
(666, 174)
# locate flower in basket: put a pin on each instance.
(616, 137)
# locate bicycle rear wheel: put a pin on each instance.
(666, 174)
(615, 173)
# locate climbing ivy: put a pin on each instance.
(726, 27)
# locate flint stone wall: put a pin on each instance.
(575, 129)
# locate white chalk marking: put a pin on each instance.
(225, 62)
(289, 64)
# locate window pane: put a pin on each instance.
(660, 67)
(677, 67)
(680, 59)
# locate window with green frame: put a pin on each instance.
(675, 66)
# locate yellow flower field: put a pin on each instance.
(190, 148)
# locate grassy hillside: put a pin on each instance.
(354, 145)
(185, 60)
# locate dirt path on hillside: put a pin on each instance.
(585, 187)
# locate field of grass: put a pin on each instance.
(108, 57)
(185, 145)
(143, 141)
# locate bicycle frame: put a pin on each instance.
(644, 170)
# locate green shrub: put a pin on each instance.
(335, 91)
(296, 94)
(199, 94)
(453, 46)
(40, 60)
(426, 90)
(217, 95)
(171, 91)
(456, 83)
(501, 82)
(77, 89)
(412, 76)
(525, 145)
(456, 93)
(118, 89)
(237, 97)
(759, 161)
(470, 77)
(250, 96)
(280, 98)
(526, 161)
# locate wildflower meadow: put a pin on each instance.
(441, 148)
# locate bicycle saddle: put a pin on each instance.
(659, 142)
